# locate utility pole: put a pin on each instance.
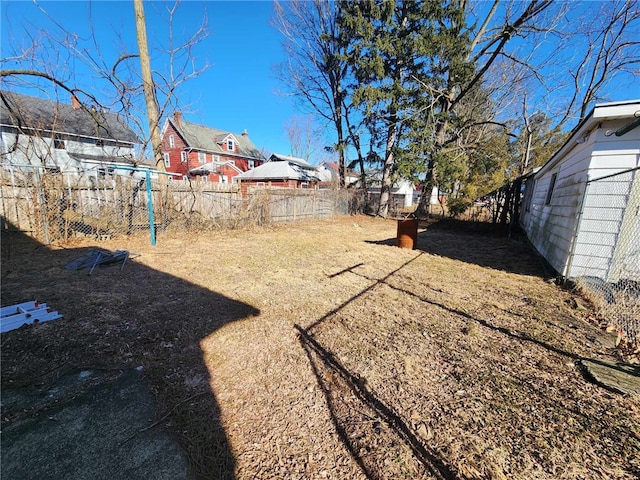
(148, 85)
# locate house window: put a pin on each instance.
(230, 145)
(528, 193)
(215, 158)
(172, 141)
(552, 185)
(58, 142)
(251, 164)
(224, 179)
(202, 157)
(183, 156)
(167, 160)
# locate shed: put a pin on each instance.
(581, 209)
(280, 171)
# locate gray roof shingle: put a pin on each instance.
(26, 112)
(201, 137)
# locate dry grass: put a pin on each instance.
(318, 350)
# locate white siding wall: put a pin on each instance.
(551, 227)
(20, 150)
(605, 202)
(554, 228)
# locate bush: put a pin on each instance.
(458, 206)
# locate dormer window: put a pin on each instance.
(230, 145)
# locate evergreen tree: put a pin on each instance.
(387, 44)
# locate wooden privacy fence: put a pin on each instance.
(55, 206)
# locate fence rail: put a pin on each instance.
(55, 206)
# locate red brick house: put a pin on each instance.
(193, 150)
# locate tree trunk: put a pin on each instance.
(385, 190)
(337, 107)
(431, 178)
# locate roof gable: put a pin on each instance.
(227, 137)
(31, 113)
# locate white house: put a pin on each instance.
(580, 210)
(49, 135)
(329, 173)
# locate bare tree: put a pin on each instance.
(314, 71)
(303, 135)
(489, 38)
(46, 61)
(609, 48)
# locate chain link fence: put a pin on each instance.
(58, 206)
(605, 258)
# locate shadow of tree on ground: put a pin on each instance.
(375, 435)
(482, 244)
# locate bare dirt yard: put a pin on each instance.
(320, 350)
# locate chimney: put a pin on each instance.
(75, 103)
(245, 133)
(177, 117)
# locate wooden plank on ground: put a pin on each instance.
(619, 377)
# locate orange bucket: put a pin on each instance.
(407, 233)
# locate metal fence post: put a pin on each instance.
(43, 207)
(152, 226)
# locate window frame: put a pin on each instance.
(552, 187)
(59, 143)
(184, 156)
(172, 141)
(167, 159)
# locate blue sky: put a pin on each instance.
(238, 91)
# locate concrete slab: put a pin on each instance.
(87, 425)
